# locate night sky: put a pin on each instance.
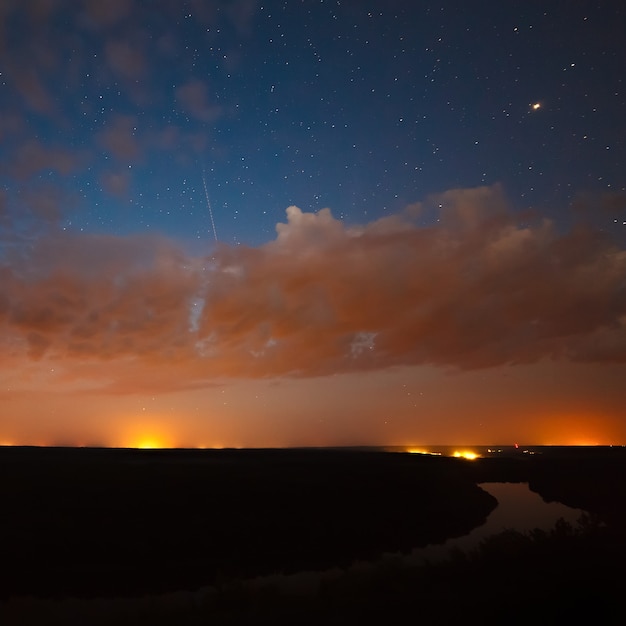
(316, 222)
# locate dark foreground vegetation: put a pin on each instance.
(108, 522)
(568, 575)
(179, 538)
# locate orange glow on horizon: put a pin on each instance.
(577, 430)
(422, 451)
(152, 435)
(469, 455)
(177, 429)
(150, 443)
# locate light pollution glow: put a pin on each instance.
(380, 334)
(368, 409)
(466, 454)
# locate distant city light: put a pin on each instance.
(465, 454)
(422, 451)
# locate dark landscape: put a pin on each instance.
(94, 524)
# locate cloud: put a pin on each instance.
(96, 296)
(125, 59)
(32, 157)
(119, 138)
(36, 96)
(193, 97)
(474, 290)
(106, 14)
(108, 56)
(242, 14)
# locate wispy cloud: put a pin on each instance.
(119, 138)
(194, 99)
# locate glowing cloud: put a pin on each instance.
(476, 290)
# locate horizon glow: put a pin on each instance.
(246, 224)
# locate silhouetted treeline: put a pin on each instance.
(596, 485)
(567, 575)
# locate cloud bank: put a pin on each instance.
(476, 289)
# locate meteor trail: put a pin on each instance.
(208, 202)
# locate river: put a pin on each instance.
(518, 509)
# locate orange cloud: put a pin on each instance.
(475, 290)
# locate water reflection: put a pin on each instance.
(518, 508)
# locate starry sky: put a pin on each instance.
(316, 222)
